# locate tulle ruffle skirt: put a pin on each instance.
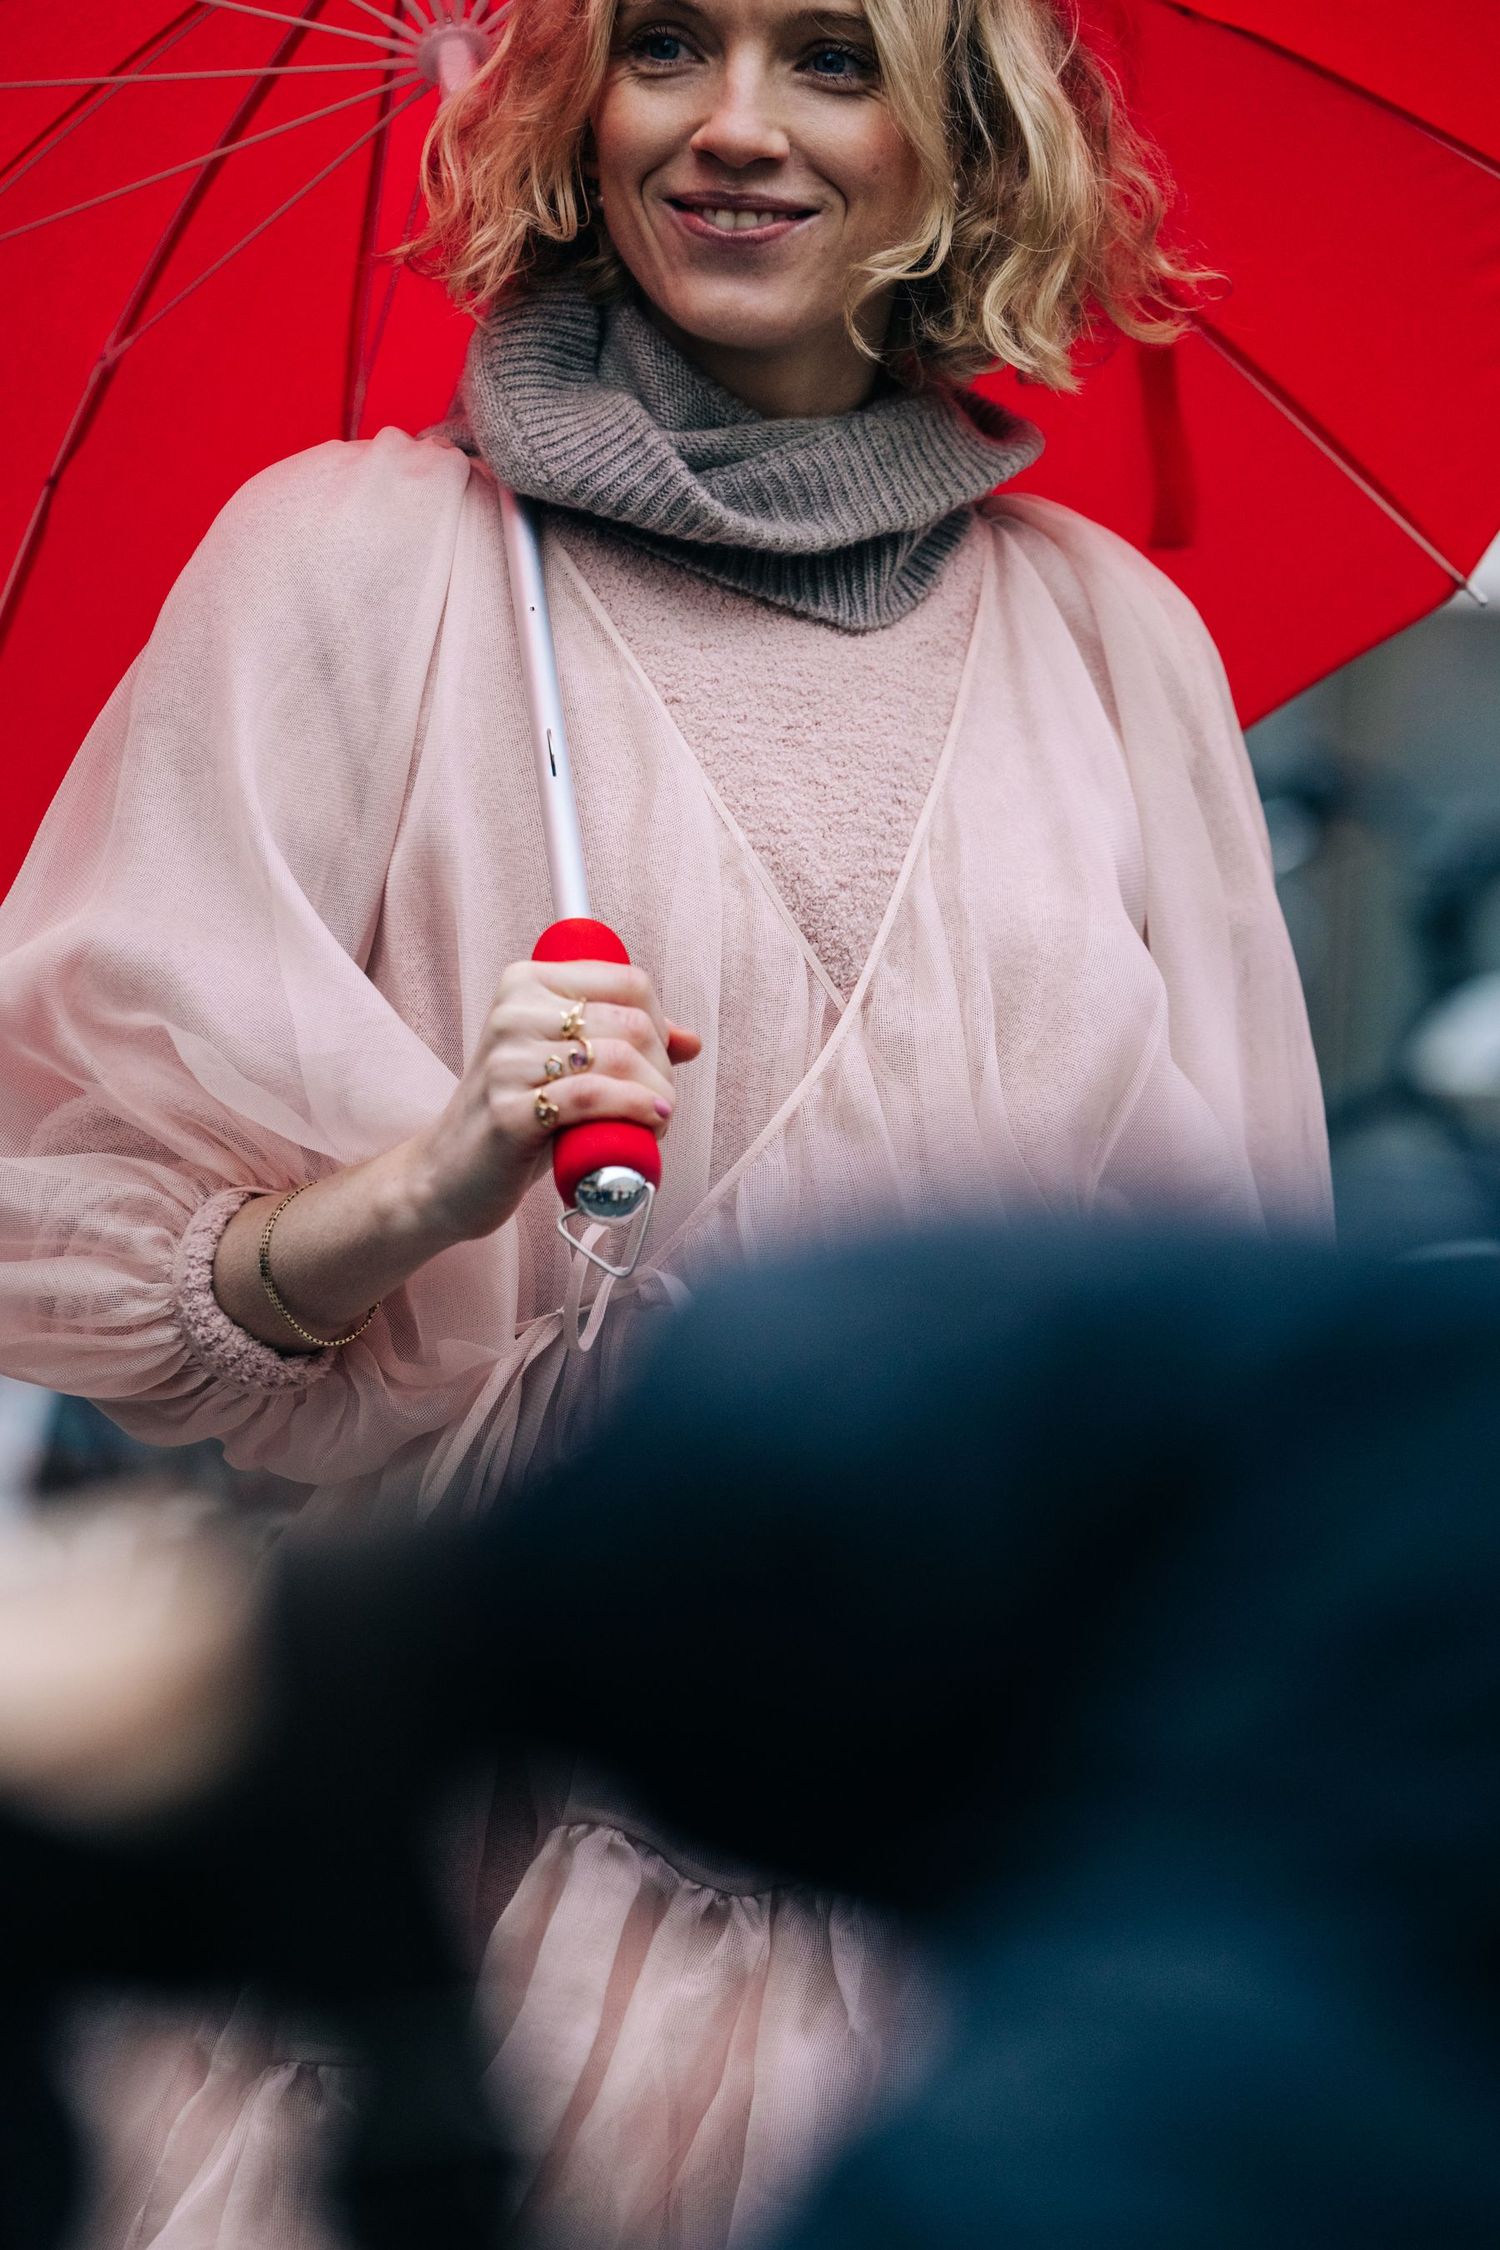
(674, 2051)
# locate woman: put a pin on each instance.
(927, 813)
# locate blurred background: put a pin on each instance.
(1381, 787)
(1382, 794)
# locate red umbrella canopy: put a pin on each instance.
(1317, 465)
(297, 336)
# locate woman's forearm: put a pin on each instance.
(349, 1239)
(345, 1242)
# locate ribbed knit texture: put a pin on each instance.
(848, 518)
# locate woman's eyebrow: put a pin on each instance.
(830, 19)
(630, 9)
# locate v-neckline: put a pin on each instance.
(843, 1005)
(847, 1011)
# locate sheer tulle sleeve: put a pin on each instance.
(184, 1017)
(1234, 1024)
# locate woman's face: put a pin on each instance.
(747, 164)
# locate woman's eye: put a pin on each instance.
(846, 63)
(657, 45)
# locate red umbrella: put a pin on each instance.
(1319, 463)
(1318, 466)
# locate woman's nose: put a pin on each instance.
(741, 127)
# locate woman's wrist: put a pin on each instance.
(414, 1205)
(336, 1250)
(405, 1208)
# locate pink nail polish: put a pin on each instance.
(663, 1106)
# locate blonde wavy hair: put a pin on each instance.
(1042, 206)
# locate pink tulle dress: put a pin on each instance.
(255, 942)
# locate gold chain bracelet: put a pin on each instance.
(324, 1343)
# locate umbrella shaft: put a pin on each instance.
(554, 772)
(453, 59)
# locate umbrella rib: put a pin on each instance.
(1444, 139)
(123, 344)
(105, 364)
(274, 15)
(365, 339)
(392, 23)
(376, 338)
(180, 77)
(189, 164)
(101, 374)
(359, 304)
(1339, 455)
(77, 113)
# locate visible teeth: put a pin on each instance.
(732, 220)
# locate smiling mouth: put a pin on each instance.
(730, 219)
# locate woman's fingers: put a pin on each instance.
(590, 1099)
(604, 1025)
(528, 1079)
(619, 1001)
(613, 983)
(604, 1059)
(539, 1079)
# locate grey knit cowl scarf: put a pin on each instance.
(844, 517)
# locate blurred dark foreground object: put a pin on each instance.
(1122, 1612)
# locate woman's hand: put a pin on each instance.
(470, 1169)
(353, 1236)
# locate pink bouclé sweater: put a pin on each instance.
(822, 745)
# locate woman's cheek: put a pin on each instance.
(879, 181)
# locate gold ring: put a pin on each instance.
(554, 1066)
(572, 1023)
(580, 1057)
(547, 1111)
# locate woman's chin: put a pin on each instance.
(738, 317)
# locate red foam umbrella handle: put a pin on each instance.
(583, 1149)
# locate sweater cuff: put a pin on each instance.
(218, 1342)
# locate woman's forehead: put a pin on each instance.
(752, 15)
